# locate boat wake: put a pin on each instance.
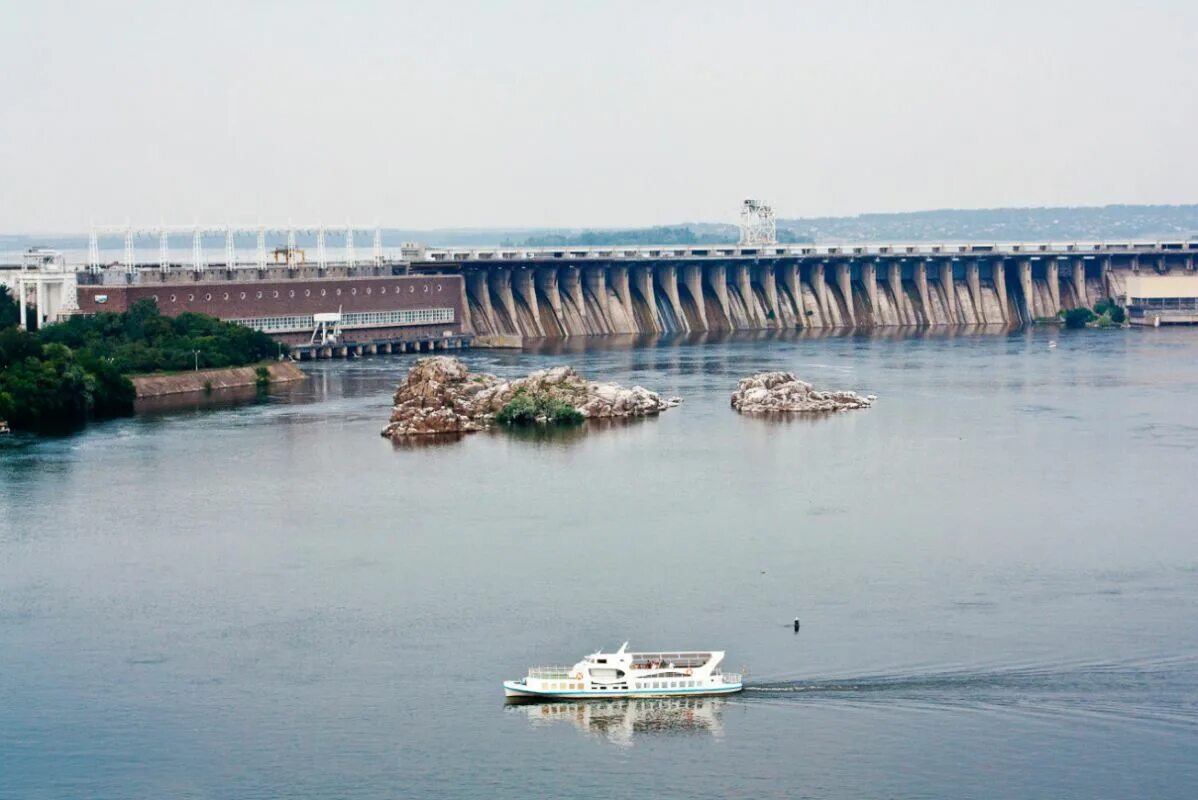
(1163, 691)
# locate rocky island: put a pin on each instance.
(441, 396)
(768, 392)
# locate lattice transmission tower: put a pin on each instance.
(757, 225)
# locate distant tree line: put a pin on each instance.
(65, 374)
(1005, 224)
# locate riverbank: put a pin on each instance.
(207, 380)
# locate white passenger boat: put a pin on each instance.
(625, 674)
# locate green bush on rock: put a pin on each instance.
(1111, 311)
(525, 409)
(1078, 317)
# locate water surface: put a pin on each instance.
(995, 567)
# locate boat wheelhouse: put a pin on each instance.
(624, 674)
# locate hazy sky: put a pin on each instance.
(586, 114)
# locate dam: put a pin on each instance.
(446, 297)
(550, 292)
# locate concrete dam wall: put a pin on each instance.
(679, 296)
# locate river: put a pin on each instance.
(996, 569)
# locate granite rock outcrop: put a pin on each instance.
(441, 396)
(768, 392)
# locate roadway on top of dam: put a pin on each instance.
(1031, 250)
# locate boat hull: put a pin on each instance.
(516, 691)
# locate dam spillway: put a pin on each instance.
(552, 292)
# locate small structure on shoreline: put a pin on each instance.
(768, 392)
(441, 396)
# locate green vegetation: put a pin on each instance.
(1077, 317)
(1105, 314)
(1109, 313)
(526, 409)
(10, 312)
(1004, 224)
(262, 377)
(70, 372)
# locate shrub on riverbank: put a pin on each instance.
(1078, 317)
(1110, 311)
(1106, 314)
(525, 409)
(73, 371)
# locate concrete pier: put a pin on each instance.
(974, 282)
(570, 283)
(819, 286)
(1000, 288)
(1025, 285)
(1078, 277)
(921, 285)
(667, 283)
(844, 282)
(642, 279)
(692, 279)
(546, 284)
(1054, 287)
(595, 279)
(618, 277)
(715, 278)
(764, 278)
(869, 277)
(950, 291)
(522, 286)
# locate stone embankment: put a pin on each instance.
(441, 396)
(768, 392)
(492, 341)
(213, 379)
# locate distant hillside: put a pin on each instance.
(1005, 224)
(991, 224)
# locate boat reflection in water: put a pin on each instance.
(621, 721)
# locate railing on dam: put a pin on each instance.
(501, 254)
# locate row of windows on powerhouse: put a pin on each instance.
(421, 316)
(576, 687)
(274, 295)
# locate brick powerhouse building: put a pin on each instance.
(373, 308)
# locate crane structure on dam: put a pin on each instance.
(757, 224)
(261, 259)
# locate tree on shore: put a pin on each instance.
(76, 370)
